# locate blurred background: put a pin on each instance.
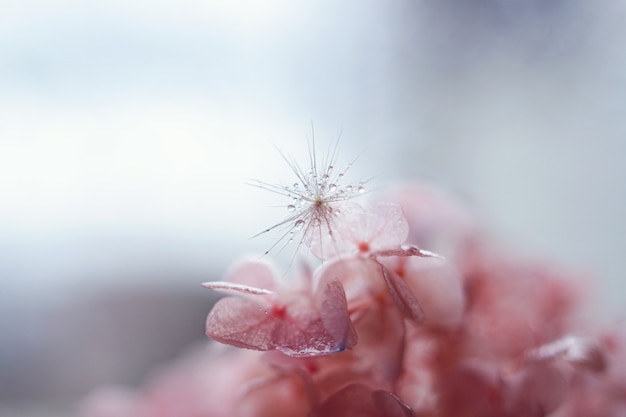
(129, 129)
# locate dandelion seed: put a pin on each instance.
(314, 197)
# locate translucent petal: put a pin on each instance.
(307, 329)
(254, 273)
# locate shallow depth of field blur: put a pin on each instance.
(129, 129)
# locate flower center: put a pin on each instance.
(279, 311)
(364, 247)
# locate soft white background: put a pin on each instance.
(128, 130)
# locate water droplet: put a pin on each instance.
(295, 185)
(349, 188)
(326, 177)
(361, 189)
(291, 208)
(340, 176)
(330, 168)
(299, 224)
(332, 188)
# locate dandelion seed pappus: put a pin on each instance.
(315, 197)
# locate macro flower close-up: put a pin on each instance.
(384, 328)
(312, 209)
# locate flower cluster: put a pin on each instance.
(384, 328)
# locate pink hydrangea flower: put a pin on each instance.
(382, 328)
(354, 229)
(301, 321)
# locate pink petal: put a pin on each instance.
(324, 328)
(304, 336)
(359, 400)
(381, 339)
(300, 330)
(353, 229)
(473, 388)
(241, 322)
(403, 296)
(388, 228)
(334, 314)
(537, 390)
(331, 238)
(353, 400)
(360, 277)
(390, 405)
(437, 219)
(437, 285)
(229, 287)
(407, 250)
(281, 396)
(378, 322)
(380, 227)
(253, 273)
